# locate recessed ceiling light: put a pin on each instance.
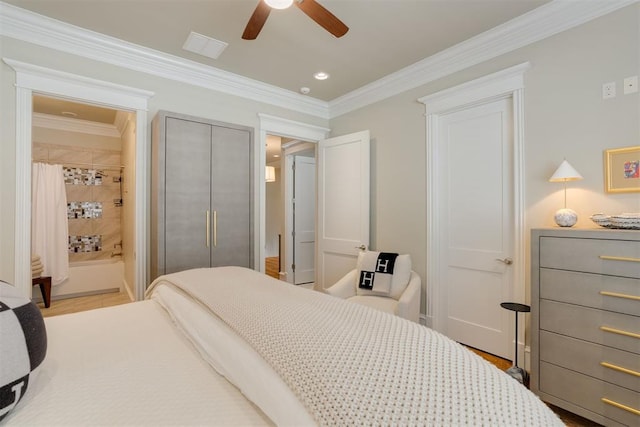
(276, 155)
(205, 46)
(321, 75)
(69, 114)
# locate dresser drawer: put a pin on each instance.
(602, 256)
(613, 293)
(588, 393)
(615, 330)
(605, 363)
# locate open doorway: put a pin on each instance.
(290, 210)
(94, 148)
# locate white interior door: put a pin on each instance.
(476, 237)
(304, 219)
(343, 205)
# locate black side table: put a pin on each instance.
(516, 372)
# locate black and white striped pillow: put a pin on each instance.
(23, 345)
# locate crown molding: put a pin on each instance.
(540, 23)
(49, 121)
(43, 31)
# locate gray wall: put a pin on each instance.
(169, 95)
(565, 116)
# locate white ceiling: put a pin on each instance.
(384, 35)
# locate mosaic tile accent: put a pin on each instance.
(88, 210)
(81, 176)
(85, 243)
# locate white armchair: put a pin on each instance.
(405, 303)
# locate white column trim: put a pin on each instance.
(31, 78)
(22, 243)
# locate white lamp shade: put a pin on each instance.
(279, 4)
(565, 172)
(270, 174)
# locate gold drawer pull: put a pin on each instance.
(619, 332)
(621, 406)
(618, 258)
(620, 369)
(617, 295)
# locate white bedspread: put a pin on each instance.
(352, 365)
(127, 366)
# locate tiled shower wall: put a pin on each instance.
(98, 237)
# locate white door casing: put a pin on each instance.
(32, 79)
(304, 219)
(508, 85)
(343, 165)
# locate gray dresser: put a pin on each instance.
(585, 322)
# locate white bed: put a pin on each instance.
(229, 346)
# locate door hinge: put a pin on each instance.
(293, 267)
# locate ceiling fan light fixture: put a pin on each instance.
(279, 4)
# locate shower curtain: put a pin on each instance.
(49, 222)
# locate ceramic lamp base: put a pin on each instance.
(566, 217)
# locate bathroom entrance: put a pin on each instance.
(85, 154)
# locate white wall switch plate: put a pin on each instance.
(609, 90)
(630, 85)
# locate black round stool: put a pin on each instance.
(516, 372)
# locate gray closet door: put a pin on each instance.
(187, 194)
(231, 197)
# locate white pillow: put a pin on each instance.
(382, 273)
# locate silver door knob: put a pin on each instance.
(507, 260)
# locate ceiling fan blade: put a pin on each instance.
(256, 22)
(323, 17)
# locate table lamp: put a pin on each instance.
(565, 217)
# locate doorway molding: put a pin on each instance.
(507, 83)
(32, 79)
(277, 126)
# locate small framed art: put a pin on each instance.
(622, 170)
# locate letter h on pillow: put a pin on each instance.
(382, 273)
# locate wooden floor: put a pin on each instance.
(73, 305)
(272, 266)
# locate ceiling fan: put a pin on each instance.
(311, 8)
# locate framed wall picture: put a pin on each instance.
(622, 170)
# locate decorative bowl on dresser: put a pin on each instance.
(585, 322)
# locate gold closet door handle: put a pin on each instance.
(621, 406)
(215, 229)
(620, 369)
(618, 258)
(619, 332)
(617, 295)
(207, 229)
